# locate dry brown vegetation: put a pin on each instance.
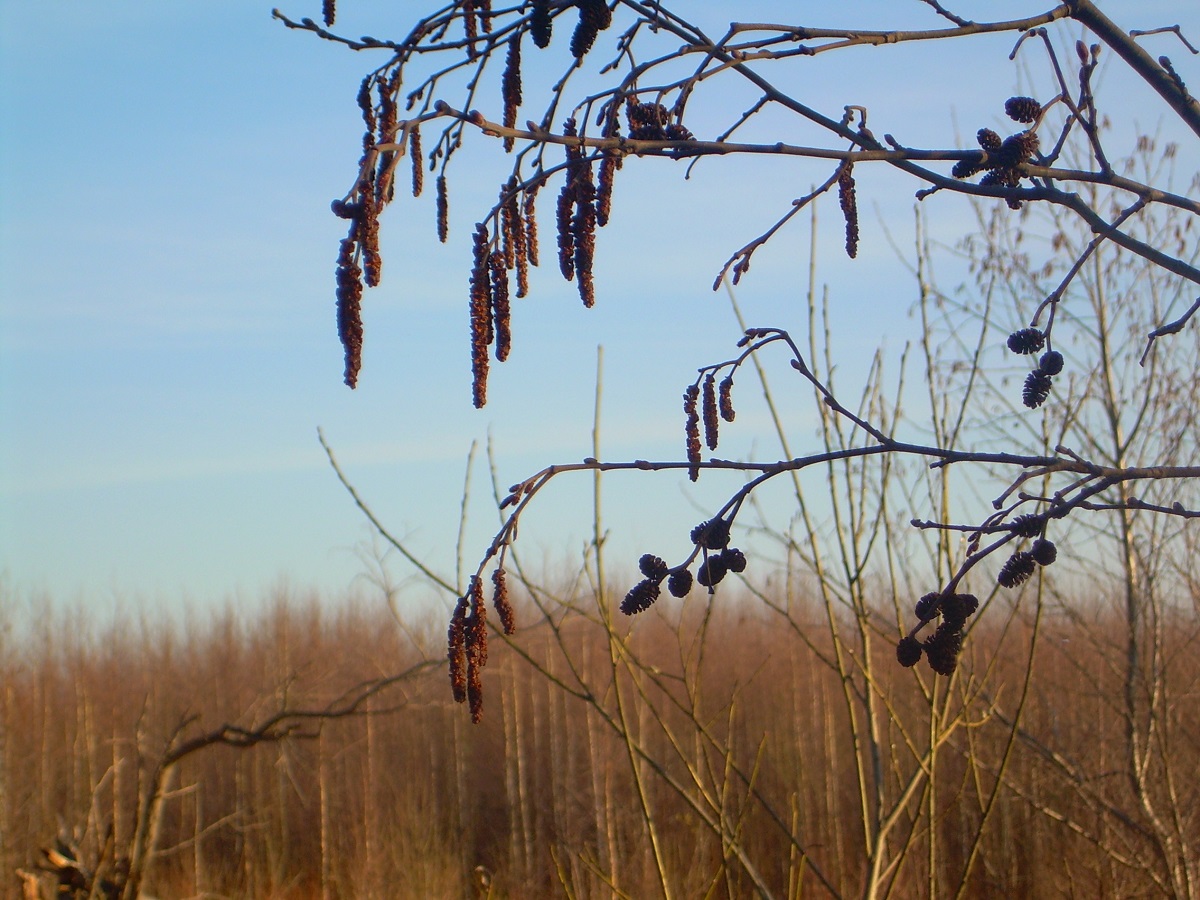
(739, 747)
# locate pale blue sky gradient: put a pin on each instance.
(167, 342)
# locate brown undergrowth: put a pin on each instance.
(740, 747)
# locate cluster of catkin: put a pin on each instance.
(359, 262)
(467, 639)
(705, 402)
(576, 220)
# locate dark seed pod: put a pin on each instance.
(594, 17)
(711, 571)
(908, 652)
(988, 140)
(734, 559)
(1025, 144)
(540, 23)
(1043, 552)
(1004, 176)
(1026, 340)
(1029, 526)
(677, 132)
(942, 649)
(927, 606)
(653, 567)
(1051, 362)
(957, 608)
(967, 167)
(640, 597)
(711, 535)
(1022, 109)
(1036, 389)
(1016, 570)
(679, 583)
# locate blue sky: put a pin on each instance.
(167, 345)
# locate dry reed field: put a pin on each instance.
(709, 751)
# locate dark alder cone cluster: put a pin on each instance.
(719, 558)
(849, 203)
(1018, 568)
(692, 429)
(1001, 157)
(647, 121)
(511, 87)
(643, 594)
(712, 537)
(594, 17)
(941, 649)
(1039, 382)
(717, 565)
